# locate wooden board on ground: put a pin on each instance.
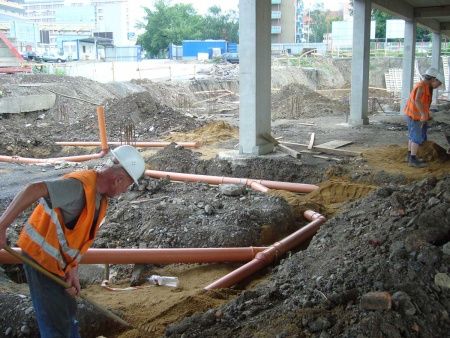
(311, 141)
(283, 148)
(325, 150)
(334, 144)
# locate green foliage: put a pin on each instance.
(60, 72)
(321, 23)
(380, 18)
(423, 34)
(39, 69)
(168, 24)
(174, 23)
(217, 25)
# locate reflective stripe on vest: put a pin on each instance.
(72, 253)
(39, 240)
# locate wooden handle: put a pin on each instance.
(37, 267)
(65, 285)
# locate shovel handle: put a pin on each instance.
(37, 267)
(65, 285)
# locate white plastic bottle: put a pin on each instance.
(163, 280)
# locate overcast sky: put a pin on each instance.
(202, 6)
(137, 14)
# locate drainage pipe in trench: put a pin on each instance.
(273, 252)
(134, 144)
(80, 158)
(157, 256)
(295, 187)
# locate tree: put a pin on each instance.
(380, 18)
(174, 23)
(321, 23)
(169, 24)
(218, 25)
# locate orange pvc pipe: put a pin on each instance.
(135, 144)
(295, 187)
(157, 256)
(28, 160)
(268, 256)
(79, 158)
(102, 127)
(257, 186)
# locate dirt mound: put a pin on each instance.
(391, 241)
(192, 215)
(330, 196)
(178, 159)
(225, 71)
(207, 134)
(135, 110)
(392, 160)
(295, 101)
(179, 302)
(147, 116)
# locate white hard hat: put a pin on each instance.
(130, 159)
(436, 74)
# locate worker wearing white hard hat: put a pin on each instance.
(60, 230)
(417, 111)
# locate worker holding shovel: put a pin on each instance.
(61, 229)
(417, 110)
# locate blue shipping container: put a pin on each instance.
(191, 48)
(233, 47)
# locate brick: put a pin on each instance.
(377, 300)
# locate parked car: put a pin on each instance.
(31, 56)
(50, 57)
(231, 57)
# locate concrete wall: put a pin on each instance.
(26, 103)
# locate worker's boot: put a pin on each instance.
(415, 162)
(408, 157)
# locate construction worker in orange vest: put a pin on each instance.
(61, 229)
(417, 110)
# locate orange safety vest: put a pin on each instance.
(47, 240)
(411, 109)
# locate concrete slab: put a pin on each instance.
(26, 103)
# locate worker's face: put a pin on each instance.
(435, 83)
(120, 184)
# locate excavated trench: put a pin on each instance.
(176, 215)
(386, 229)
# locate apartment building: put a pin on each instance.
(10, 10)
(102, 18)
(286, 21)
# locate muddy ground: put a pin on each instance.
(388, 224)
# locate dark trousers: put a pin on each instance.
(55, 309)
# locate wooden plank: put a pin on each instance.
(283, 148)
(328, 158)
(311, 141)
(334, 144)
(325, 150)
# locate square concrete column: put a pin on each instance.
(360, 62)
(409, 53)
(254, 76)
(435, 60)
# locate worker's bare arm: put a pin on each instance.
(21, 202)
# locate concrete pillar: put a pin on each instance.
(254, 76)
(360, 62)
(435, 60)
(409, 53)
